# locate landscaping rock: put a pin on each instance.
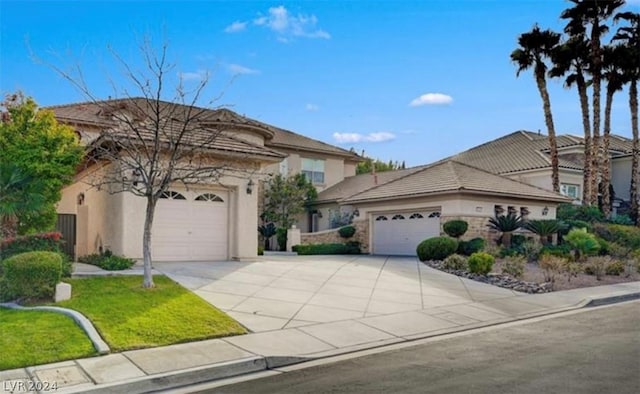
(63, 292)
(496, 279)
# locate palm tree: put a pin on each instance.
(506, 225)
(18, 194)
(612, 71)
(535, 47)
(590, 15)
(629, 37)
(543, 228)
(572, 57)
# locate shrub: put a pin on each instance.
(455, 228)
(628, 236)
(604, 246)
(49, 242)
(492, 249)
(619, 251)
(585, 213)
(107, 261)
(543, 228)
(506, 225)
(32, 275)
(509, 252)
(551, 266)
(260, 251)
(514, 266)
(313, 249)
(622, 219)
(615, 268)
(597, 265)
(563, 251)
(568, 225)
(281, 236)
(472, 246)
(347, 231)
(481, 263)
(455, 262)
(531, 250)
(436, 248)
(582, 243)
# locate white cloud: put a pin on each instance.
(238, 69)
(193, 75)
(312, 107)
(346, 138)
(431, 99)
(236, 27)
(286, 25)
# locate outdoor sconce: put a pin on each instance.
(545, 211)
(356, 213)
(250, 186)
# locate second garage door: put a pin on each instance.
(191, 226)
(400, 233)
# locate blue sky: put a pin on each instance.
(401, 80)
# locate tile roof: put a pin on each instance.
(452, 176)
(525, 150)
(94, 114)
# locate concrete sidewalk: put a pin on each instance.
(446, 311)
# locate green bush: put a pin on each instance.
(622, 219)
(107, 261)
(604, 247)
(615, 268)
(468, 248)
(347, 231)
(313, 249)
(628, 236)
(568, 225)
(569, 211)
(436, 248)
(582, 243)
(514, 266)
(281, 236)
(48, 242)
(455, 262)
(32, 275)
(563, 251)
(455, 228)
(481, 263)
(260, 251)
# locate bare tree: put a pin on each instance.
(146, 144)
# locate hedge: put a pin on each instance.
(436, 248)
(50, 242)
(349, 248)
(31, 275)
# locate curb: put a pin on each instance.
(594, 301)
(85, 324)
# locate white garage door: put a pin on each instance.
(400, 233)
(191, 226)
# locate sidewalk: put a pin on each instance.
(178, 365)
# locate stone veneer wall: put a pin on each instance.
(332, 236)
(477, 227)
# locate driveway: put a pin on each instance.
(292, 291)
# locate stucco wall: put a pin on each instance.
(543, 178)
(621, 177)
(334, 168)
(332, 236)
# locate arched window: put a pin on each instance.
(416, 216)
(397, 217)
(381, 218)
(209, 197)
(171, 195)
(434, 215)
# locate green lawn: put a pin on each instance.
(130, 317)
(37, 337)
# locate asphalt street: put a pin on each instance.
(595, 351)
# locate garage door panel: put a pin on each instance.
(191, 230)
(402, 236)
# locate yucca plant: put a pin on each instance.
(543, 228)
(506, 225)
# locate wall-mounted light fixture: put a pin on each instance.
(250, 186)
(545, 211)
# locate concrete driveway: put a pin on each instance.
(292, 291)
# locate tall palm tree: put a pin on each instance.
(612, 71)
(587, 17)
(629, 37)
(570, 59)
(535, 48)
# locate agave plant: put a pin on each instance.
(543, 228)
(506, 225)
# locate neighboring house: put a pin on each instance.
(202, 222)
(398, 209)
(524, 156)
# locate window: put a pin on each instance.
(416, 216)
(379, 218)
(398, 217)
(171, 195)
(569, 190)
(434, 215)
(209, 197)
(313, 170)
